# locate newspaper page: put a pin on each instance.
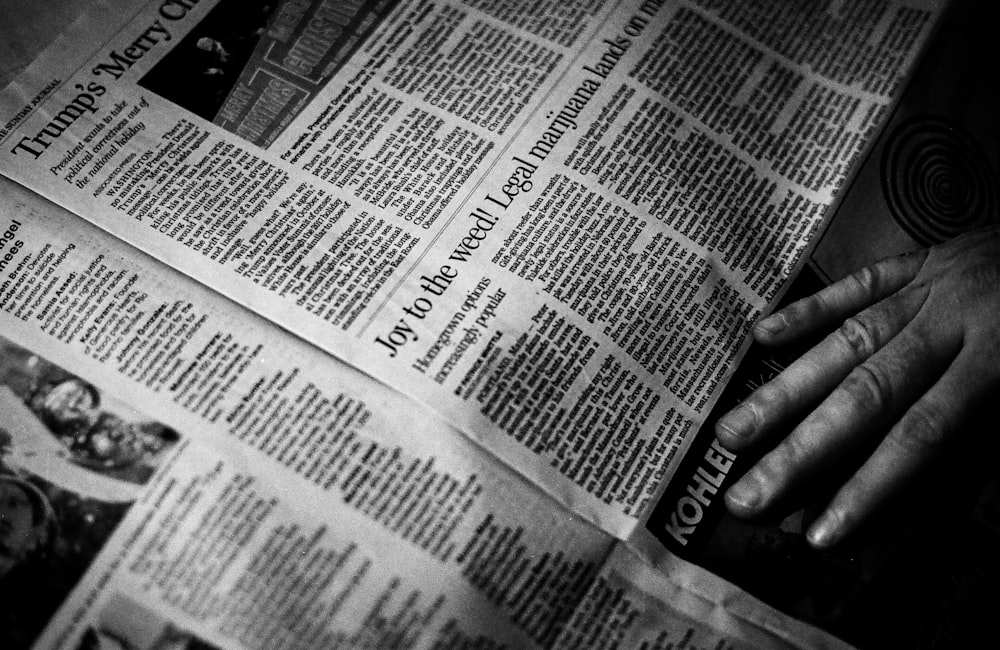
(633, 605)
(269, 496)
(555, 227)
(931, 175)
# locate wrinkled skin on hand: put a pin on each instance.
(913, 355)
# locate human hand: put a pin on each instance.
(915, 352)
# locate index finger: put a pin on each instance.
(831, 305)
(818, 371)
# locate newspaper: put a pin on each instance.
(413, 309)
(899, 200)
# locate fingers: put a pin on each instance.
(884, 393)
(913, 443)
(864, 404)
(819, 370)
(832, 304)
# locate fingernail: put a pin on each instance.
(825, 531)
(745, 494)
(773, 324)
(740, 422)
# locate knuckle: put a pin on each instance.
(800, 311)
(923, 428)
(858, 336)
(774, 468)
(869, 387)
(772, 395)
(785, 459)
(867, 280)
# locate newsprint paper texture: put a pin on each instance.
(376, 324)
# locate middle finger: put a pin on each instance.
(863, 405)
(819, 370)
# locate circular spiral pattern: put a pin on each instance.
(937, 180)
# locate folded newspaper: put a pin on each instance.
(378, 324)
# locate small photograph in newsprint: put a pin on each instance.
(72, 461)
(252, 65)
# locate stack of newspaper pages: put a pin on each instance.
(400, 324)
